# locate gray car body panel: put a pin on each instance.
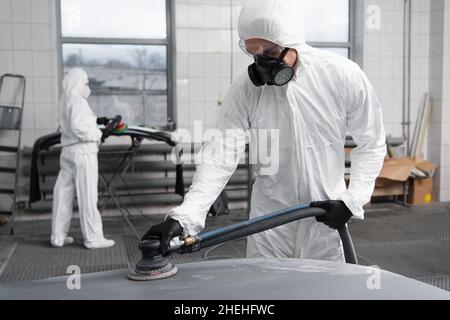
(238, 279)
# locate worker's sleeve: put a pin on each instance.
(365, 125)
(215, 164)
(83, 122)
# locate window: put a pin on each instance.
(328, 25)
(123, 46)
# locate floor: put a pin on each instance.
(414, 242)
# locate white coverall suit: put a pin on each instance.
(78, 173)
(329, 98)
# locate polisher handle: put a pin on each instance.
(176, 243)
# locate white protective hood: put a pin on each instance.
(76, 120)
(74, 82)
(279, 21)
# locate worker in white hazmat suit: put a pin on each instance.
(80, 138)
(314, 99)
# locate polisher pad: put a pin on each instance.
(161, 273)
(153, 265)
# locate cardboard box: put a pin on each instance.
(421, 191)
(402, 169)
(389, 188)
(417, 171)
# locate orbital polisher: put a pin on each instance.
(154, 266)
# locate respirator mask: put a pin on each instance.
(270, 70)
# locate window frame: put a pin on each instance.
(344, 45)
(168, 42)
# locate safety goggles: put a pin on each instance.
(261, 48)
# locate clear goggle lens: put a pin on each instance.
(272, 51)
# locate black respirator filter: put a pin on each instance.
(270, 71)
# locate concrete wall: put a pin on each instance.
(28, 47)
(445, 164)
(381, 56)
(380, 52)
(439, 138)
(208, 58)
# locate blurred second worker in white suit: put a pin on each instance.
(78, 175)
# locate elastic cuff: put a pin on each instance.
(188, 228)
(353, 205)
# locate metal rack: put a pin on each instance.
(11, 115)
(118, 171)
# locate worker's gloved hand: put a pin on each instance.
(164, 232)
(109, 128)
(337, 213)
(102, 120)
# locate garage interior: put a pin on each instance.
(163, 79)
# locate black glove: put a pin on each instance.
(337, 213)
(164, 232)
(103, 121)
(110, 125)
(109, 129)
